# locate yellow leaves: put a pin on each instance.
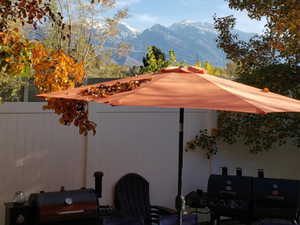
(38, 53)
(15, 51)
(10, 36)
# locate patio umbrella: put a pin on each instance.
(182, 87)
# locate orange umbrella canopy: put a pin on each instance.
(182, 87)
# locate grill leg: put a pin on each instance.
(218, 220)
(213, 218)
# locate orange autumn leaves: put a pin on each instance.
(56, 71)
(52, 70)
(72, 111)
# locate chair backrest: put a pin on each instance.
(132, 197)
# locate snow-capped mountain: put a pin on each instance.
(190, 40)
(200, 26)
(131, 29)
(127, 31)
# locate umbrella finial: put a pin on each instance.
(266, 90)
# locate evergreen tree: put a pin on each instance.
(172, 58)
(155, 60)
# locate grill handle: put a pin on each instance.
(71, 212)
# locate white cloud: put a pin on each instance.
(146, 18)
(126, 3)
(142, 21)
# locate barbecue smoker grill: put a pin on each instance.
(276, 198)
(67, 207)
(249, 199)
(229, 196)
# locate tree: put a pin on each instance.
(27, 12)
(10, 87)
(230, 69)
(283, 24)
(270, 60)
(172, 61)
(155, 60)
(87, 27)
(15, 64)
(209, 68)
(104, 67)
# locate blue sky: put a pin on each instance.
(145, 13)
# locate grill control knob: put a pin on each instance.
(68, 201)
(20, 219)
(228, 182)
(228, 188)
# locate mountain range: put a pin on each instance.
(191, 41)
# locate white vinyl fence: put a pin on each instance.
(37, 153)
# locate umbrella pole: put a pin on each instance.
(179, 198)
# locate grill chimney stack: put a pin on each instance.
(98, 183)
(224, 171)
(238, 171)
(260, 173)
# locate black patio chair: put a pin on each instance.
(133, 202)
